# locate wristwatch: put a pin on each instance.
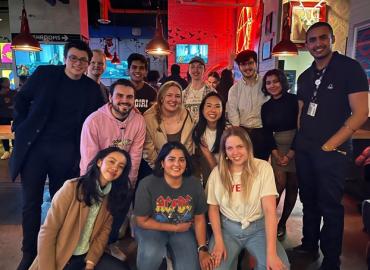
(203, 248)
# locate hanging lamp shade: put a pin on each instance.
(115, 59)
(24, 41)
(108, 55)
(285, 47)
(158, 45)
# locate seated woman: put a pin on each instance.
(169, 208)
(77, 226)
(242, 206)
(207, 133)
(167, 121)
(279, 119)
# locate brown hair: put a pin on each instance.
(249, 168)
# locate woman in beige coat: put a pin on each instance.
(167, 121)
(77, 227)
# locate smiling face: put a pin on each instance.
(236, 151)
(196, 71)
(212, 110)
(171, 101)
(319, 42)
(122, 100)
(248, 68)
(111, 167)
(137, 71)
(97, 65)
(273, 86)
(77, 62)
(174, 164)
(212, 82)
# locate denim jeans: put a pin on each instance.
(153, 246)
(253, 238)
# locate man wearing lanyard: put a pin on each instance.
(332, 96)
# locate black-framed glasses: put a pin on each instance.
(75, 59)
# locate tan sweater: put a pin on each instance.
(61, 231)
(156, 135)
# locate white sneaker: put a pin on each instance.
(116, 252)
(6, 155)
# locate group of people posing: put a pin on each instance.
(181, 158)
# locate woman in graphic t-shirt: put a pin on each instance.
(169, 210)
(242, 206)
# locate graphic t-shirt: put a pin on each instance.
(155, 198)
(145, 97)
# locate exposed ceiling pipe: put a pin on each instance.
(106, 6)
(216, 4)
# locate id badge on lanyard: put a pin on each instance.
(312, 107)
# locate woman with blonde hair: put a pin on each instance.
(167, 121)
(242, 206)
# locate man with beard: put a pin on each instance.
(96, 69)
(245, 101)
(145, 95)
(115, 124)
(333, 104)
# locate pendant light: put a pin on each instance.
(285, 47)
(24, 41)
(158, 45)
(115, 59)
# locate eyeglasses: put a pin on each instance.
(99, 64)
(75, 59)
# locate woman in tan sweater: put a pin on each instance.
(77, 227)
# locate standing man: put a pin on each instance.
(50, 109)
(145, 95)
(115, 124)
(245, 101)
(175, 76)
(332, 96)
(197, 89)
(96, 69)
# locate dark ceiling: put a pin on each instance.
(133, 20)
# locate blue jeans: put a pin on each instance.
(253, 238)
(153, 246)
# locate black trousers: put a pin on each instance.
(321, 184)
(55, 160)
(6, 121)
(106, 262)
(261, 147)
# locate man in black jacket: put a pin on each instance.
(49, 112)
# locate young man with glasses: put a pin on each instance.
(96, 69)
(49, 112)
(245, 101)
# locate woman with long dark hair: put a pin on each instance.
(279, 118)
(242, 206)
(77, 226)
(169, 210)
(208, 131)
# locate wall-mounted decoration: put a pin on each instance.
(301, 16)
(361, 48)
(291, 77)
(266, 49)
(268, 24)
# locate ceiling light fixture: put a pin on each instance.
(115, 59)
(285, 47)
(24, 41)
(108, 55)
(158, 45)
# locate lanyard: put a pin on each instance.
(317, 85)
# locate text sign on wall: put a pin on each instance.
(53, 37)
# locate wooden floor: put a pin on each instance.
(353, 256)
